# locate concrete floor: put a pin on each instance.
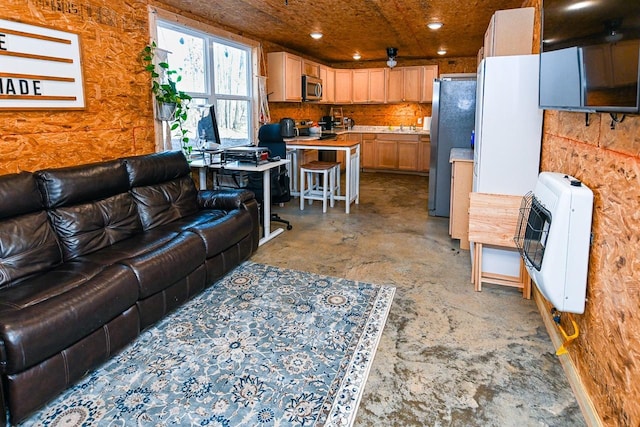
(448, 356)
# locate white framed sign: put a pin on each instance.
(40, 68)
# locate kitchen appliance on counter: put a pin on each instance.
(287, 127)
(507, 139)
(452, 120)
(311, 88)
(326, 122)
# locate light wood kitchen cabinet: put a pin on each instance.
(310, 68)
(395, 151)
(328, 77)
(368, 151)
(377, 85)
(404, 84)
(408, 154)
(386, 153)
(429, 74)
(510, 32)
(344, 85)
(369, 85)
(284, 82)
(461, 185)
(424, 153)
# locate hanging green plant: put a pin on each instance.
(172, 104)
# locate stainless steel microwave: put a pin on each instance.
(311, 88)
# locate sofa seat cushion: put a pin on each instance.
(218, 229)
(132, 247)
(224, 232)
(166, 264)
(51, 311)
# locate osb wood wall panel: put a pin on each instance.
(607, 353)
(118, 118)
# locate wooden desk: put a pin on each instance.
(352, 166)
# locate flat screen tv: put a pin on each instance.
(589, 55)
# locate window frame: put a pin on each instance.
(189, 26)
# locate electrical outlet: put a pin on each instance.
(419, 120)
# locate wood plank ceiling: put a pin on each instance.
(367, 27)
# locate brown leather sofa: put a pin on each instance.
(91, 255)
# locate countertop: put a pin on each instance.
(461, 154)
(364, 129)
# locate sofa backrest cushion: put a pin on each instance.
(89, 206)
(162, 187)
(28, 244)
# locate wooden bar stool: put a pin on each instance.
(310, 187)
(493, 219)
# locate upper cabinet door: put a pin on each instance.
(395, 85)
(377, 86)
(360, 86)
(343, 86)
(284, 82)
(404, 84)
(328, 77)
(429, 74)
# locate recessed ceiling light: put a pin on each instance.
(435, 25)
(442, 52)
(356, 56)
(316, 35)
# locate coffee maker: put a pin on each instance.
(326, 122)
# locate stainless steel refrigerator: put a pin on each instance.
(452, 121)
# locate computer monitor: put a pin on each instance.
(208, 125)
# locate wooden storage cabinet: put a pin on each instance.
(368, 151)
(369, 85)
(284, 82)
(510, 32)
(400, 152)
(310, 68)
(408, 155)
(424, 153)
(429, 73)
(461, 185)
(404, 84)
(328, 77)
(344, 85)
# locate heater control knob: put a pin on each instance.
(576, 183)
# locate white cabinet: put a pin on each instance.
(510, 32)
(328, 77)
(284, 82)
(404, 84)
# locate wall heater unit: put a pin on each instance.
(553, 237)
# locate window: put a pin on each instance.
(215, 71)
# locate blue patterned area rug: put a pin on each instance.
(263, 346)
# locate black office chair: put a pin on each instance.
(269, 136)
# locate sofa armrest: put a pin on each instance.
(225, 199)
